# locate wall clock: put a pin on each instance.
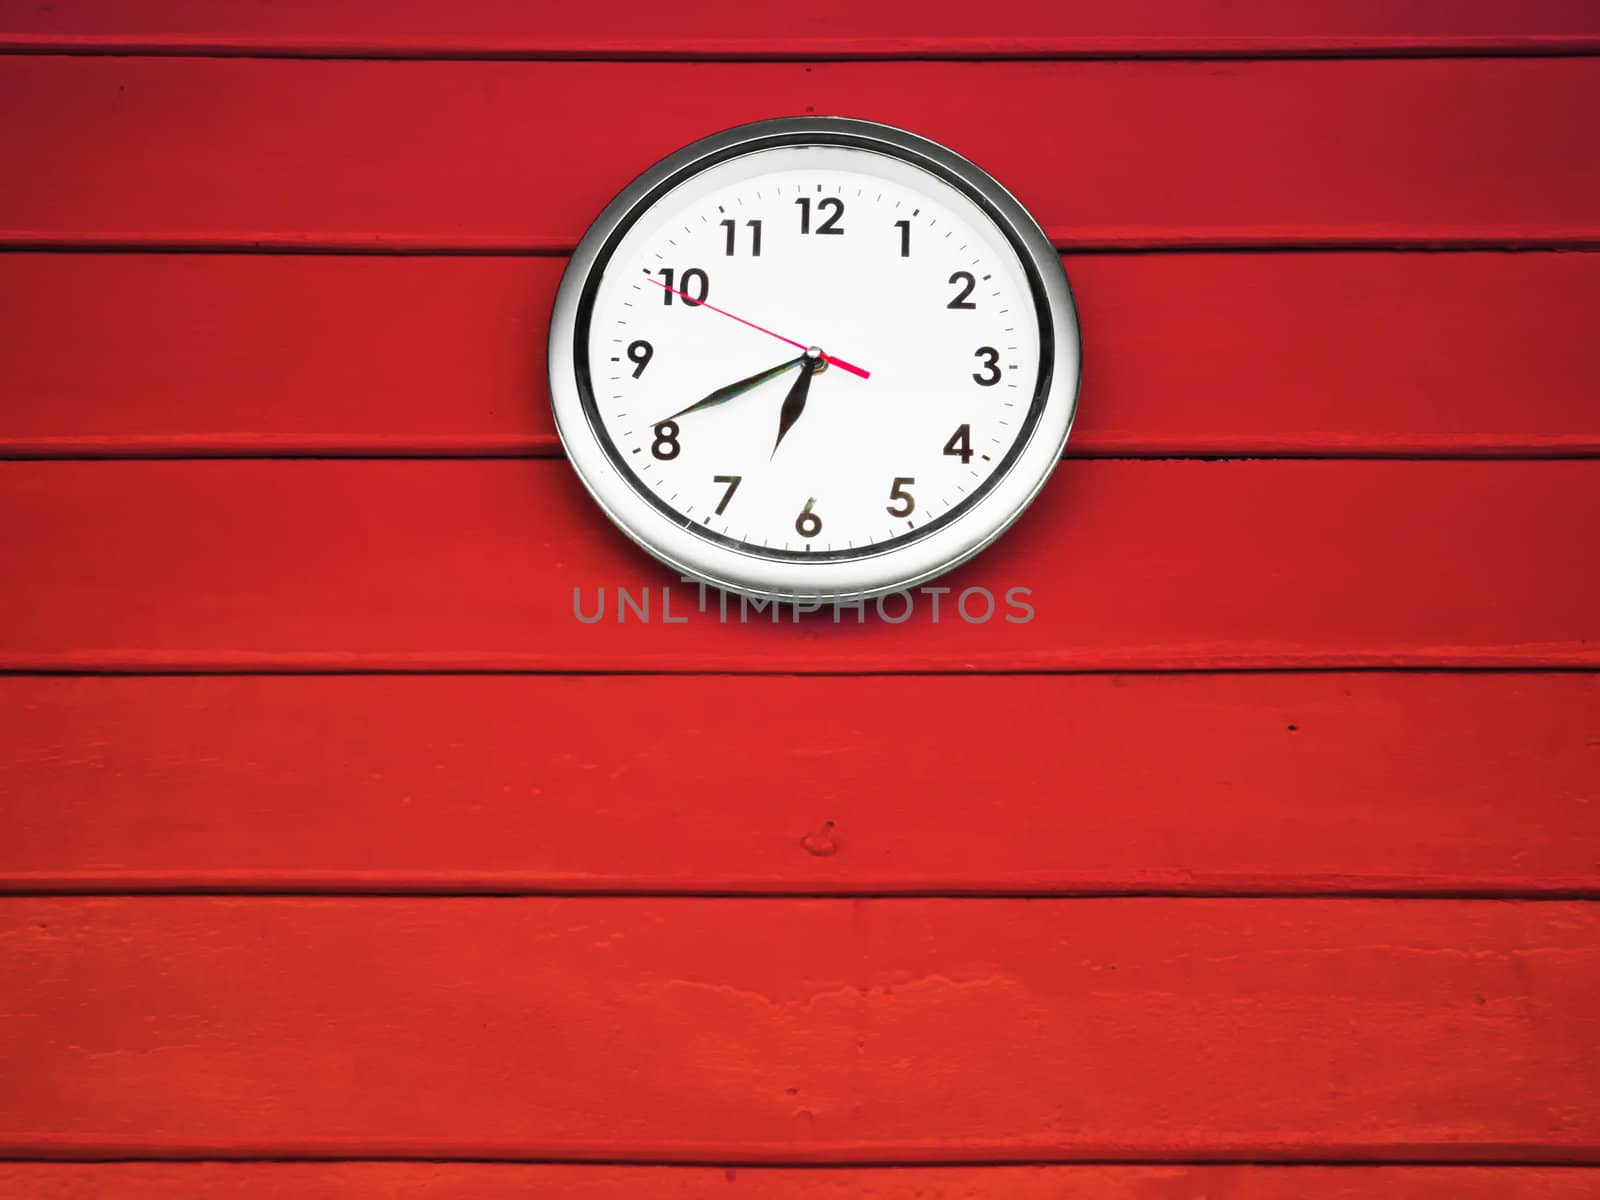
(814, 359)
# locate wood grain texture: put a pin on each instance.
(801, 1030)
(883, 28)
(485, 564)
(391, 156)
(1406, 784)
(1372, 353)
(508, 1181)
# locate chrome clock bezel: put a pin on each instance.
(678, 542)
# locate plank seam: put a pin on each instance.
(1580, 46)
(1561, 894)
(539, 453)
(15, 242)
(1583, 1158)
(176, 672)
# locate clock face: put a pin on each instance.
(814, 358)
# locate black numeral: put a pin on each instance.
(732, 229)
(960, 444)
(666, 444)
(905, 238)
(733, 486)
(967, 283)
(640, 353)
(991, 366)
(898, 492)
(808, 524)
(831, 205)
(691, 289)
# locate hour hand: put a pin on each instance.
(724, 394)
(795, 402)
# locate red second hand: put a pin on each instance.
(834, 359)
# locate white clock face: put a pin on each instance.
(801, 359)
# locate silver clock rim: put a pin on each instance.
(872, 574)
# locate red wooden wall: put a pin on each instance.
(338, 860)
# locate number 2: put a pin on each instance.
(968, 283)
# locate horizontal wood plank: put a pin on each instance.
(490, 564)
(882, 28)
(519, 1181)
(800, 1030)
(1409, 784)
(1252, 354)
(393, 156)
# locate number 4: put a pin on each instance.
(960, 444)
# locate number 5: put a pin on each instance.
(898, 492)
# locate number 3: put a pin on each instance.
(991, 366)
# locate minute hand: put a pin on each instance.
(723, 394)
